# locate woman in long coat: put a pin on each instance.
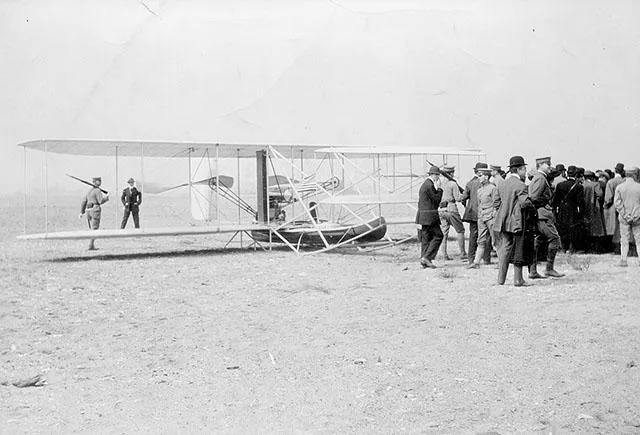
(593, 216)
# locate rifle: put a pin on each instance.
(87, 183)
(448, 177)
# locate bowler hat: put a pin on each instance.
(579, 172)
(495, 167)
(516, 161)
(619, 167)
(434, 170)
(97, 178)
(560, 167)
(131, 180)
(480, 165)
(571, 171)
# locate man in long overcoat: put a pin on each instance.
(593, 218)
(612, 225)
(568, 201)
(515, 220)
(427, 217)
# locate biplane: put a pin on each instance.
(311, 198)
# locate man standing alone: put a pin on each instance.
(131, 199)
(91, 205)
(627, 204)
(430, 233)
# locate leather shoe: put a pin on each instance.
(554, 274)
(536, 275)
(427, 264)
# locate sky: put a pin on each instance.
(535, 78)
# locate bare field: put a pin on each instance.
(178, 335)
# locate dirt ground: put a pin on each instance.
(178, 335)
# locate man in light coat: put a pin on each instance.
(627, 204)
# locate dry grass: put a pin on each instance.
(579, 263)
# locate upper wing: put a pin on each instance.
(91, 147)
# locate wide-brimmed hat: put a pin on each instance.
(434, 170)
(447, 169)
(542, 160)
(484, 171)
(131, 180)
(480, 165)
(516, 161)
(571, 171)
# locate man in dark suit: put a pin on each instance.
(515, 220)
(131, 199)
(541, 194)
(568, 201)
(470, 201)
(430, 233)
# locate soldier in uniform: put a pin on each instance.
(540, 194)
(91, 205)
(131, 199)
(470, 200)
(515, 220)
(430, 233)
(449, 214)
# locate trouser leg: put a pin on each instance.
(125, 218)
(483, 233)
(625, 230)
(507, 243)
(486, 256)
(473, 240)
(444, 226)
(518, 279)
(424, 244)
(136, 218)
(635, 230)
(435, 239)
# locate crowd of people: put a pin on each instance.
(529, 216)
